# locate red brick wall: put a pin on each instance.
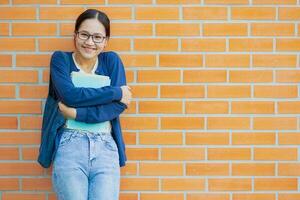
(215, 113)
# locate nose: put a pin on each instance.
(89, 41)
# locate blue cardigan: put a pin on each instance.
(92, 104)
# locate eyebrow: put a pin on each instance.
(91, 34)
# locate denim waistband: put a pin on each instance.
(85, 131)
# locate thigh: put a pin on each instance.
(105, 171)
(69, 176)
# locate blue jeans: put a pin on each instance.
(86, 167)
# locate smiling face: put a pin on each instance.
(87, 48)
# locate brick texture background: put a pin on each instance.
(215, 114)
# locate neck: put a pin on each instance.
(85, 64)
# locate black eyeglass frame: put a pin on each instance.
(90, 35)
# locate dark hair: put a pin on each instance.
(94, 14)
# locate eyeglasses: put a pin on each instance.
(85, 36)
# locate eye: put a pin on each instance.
(84, 35)
(98, 37)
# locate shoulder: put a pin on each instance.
(111, 56)
(59, 54)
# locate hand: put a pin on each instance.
(126, 94)
(67, 112)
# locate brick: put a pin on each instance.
(205, 13)
(4, 29)
(181, 91)
(34, 29)
(227, 60)
(130, 60)
(275, 184)
(225, 29)
(286, 44)
(207, 138)
(52, 44)
(165, 169)
(17, 44)
(161, 196)
(275, 123)
(253, 169)
(188, 123)
(275, 91)
(253, 138)
(250, 76)
(272, 29)
(289, 107)
(205, 45)
(274, 60)
(289, 13)
(275, 153)
(131, 109)
(19, 13)
(23, 196)
(207, 169)
(207, 196)
(60, 13)
(158, 76)
(19, 138)
(160, 138)
(235, 91)
(129, 76)
(206, 107)
(129, 169)
(8, 123)
(274, 2)
(18, 76)
(289, 169)
(30, 153)
(9, 184)
(252, 107)
(36, 184)
(118, 44)
(177, 1)
(183, 184)
(139, 123)
(131, 29)
(34, 2)
(66, 29)
(7, 91)
(157, 13)
(229, 184)
(31, 122)
(129, 137)
(228, 123)
(116, 13)
(36, 91)
(156, 44)
(142, 153)
(144, 91)
(226, 2)
(90, 2)
(160, 107)
(182, 154)
(149, 184)
(288, 76)
(4, 2)
(25, 60)
(289, 138)
(129, 1)
(229, 154)
(178, 29)
(204, 76)
(180, 60)
(288, 196)
(253, 13)
(5, 60)
(253, 197)
(250, 44)
(20, 107)
(21, 169)
(9, 153)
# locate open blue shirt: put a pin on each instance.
(92, 104)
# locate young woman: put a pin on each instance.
(86, 165)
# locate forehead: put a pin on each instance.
(92, 26)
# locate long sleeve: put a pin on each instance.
(78, 96)
(106, 112)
